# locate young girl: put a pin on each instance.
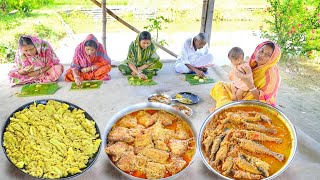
(241, 69)
(142, 57)
(90, 62)
(35, 62)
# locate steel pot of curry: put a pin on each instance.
(150, 141)
(247, 140)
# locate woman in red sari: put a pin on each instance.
(35, 62)
(90, 62)
(263, 63)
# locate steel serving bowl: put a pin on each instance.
(161, 98)
(148, 106)
(250, 104)
(71, 107)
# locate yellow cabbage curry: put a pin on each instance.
(151, 144)
(246, 143)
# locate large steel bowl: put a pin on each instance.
(250, 104)
(71, 107)
(149, 106)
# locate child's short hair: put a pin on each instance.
(236, 53)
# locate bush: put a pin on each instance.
(294, 25)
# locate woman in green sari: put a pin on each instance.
(142, 58)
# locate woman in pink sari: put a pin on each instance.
(35, 62)
(90, 62)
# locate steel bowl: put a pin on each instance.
(149, 106)
(169, 99)
(185, 107)
(250, 104)
(91, 161)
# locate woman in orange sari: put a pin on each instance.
(90, 62)
(263, 63)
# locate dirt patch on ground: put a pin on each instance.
(303, 76)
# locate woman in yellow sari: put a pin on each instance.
(263, 63)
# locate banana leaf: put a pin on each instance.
(38, 89)
(194, 79)
(87, 85)
(135, 81)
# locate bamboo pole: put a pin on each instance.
(209, 19)
(133, 28)
(104, 24)
(204, 15)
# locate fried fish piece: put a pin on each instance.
(258, 136)
(164, 117)
(145, 119)
(258, 148)
(262, 166)
(128, 121)
(245, 175)
(120, 134)
(155, 155)
(242, 163)
(155, 170)
(176, 165)
(116, 150)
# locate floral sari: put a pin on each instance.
(266, 78)
(139, 57)
(45, 57)
(82, 60)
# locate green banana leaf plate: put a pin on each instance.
(87, 85)
(38, 89)
(135, 81)
(194, 79)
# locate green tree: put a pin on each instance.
(294, 25)
(156, 24)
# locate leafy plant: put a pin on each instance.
(156, 24)
(294, 25)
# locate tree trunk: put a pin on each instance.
(104, 23)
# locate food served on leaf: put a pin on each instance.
(203, 79)
(244, 144)
(151, 144)
(50, 141)
(184, 109)
(162, 98)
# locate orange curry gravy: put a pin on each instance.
(187, 156)
(277, 124)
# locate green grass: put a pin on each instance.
(38, 24)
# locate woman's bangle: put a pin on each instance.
(252, 89)
(76, 77)
(41, 71)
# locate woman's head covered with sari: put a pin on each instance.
(266, 77)
(142, 50)
(88, 52)
(34, 51)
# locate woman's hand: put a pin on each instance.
(77, 80)
(199, 73)
(142, 76)
(255, 92)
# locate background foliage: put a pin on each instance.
(294, 25)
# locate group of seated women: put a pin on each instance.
(36, 62)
